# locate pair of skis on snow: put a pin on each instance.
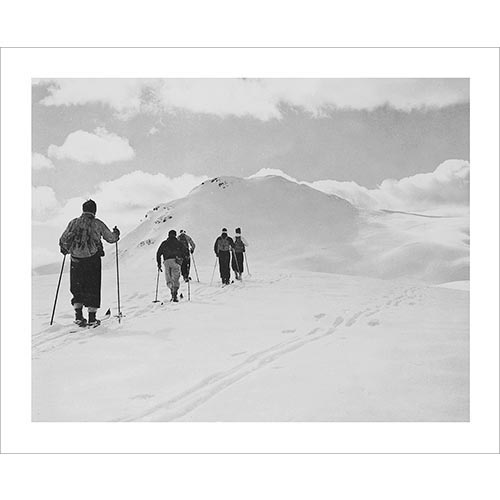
(162, 302)
(85, 325)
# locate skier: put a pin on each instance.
(240, 243)
(172, 251)
(222, 247)
(82, 240)
(189, 246)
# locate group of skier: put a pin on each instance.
(176, 254)
(82, 241)
(225, 248)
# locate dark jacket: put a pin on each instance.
(239, 244)
(169, 249)
(223, 244)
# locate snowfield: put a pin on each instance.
(340, 320)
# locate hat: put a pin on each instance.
(224, 230)
(238, 230)
(90, 206)
(172, 232)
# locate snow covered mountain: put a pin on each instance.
(309, 335)
(281, 220)
(295, 226)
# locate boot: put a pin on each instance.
(174, 296)
(92, 319)
(79, 319)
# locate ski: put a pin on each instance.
(75, 327)
(99, 321)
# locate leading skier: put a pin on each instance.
(222, 247)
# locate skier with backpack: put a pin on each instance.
(189, 246)
(82, 241)
(172, 252)
(222, 247)
(237, 262)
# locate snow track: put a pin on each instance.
(194, 361)
(197, 395)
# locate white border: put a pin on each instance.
(20, 435)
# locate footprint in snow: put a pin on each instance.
(288, 331)
(319, 316)
(142, 396)
(374, 322)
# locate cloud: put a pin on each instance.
(39, 162)
(153, 131)
(125, 200)
(122, 202)
(100, 147)
(121, 94)
(129, 197)
(272, 171)
(41, 256)
(447, 186)
(260, 98)
(44, 203)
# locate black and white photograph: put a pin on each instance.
(243, 254)
(250, 249)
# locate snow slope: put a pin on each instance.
(280, 346)
(314, 334)
(297, 227)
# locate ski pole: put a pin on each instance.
(213, 272)
(157, 279)
(189, 290)
(118, 284)
(246, 261)
(57, 291)
(196, 270)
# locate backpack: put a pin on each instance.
(183, 239)
(223, 245)
(239, 246)
(184, 242)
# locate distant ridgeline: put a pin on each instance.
(296, 227)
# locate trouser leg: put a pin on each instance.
(172, 275)
(85, 282)
(186, 264)
(224, 260)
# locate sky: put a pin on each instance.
(133, 143)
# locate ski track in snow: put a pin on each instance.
(59, 336)
(209, 387)
(192, 398)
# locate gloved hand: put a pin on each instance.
(192, 250)
(63, 250)
(160, 269)
(116, 231)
